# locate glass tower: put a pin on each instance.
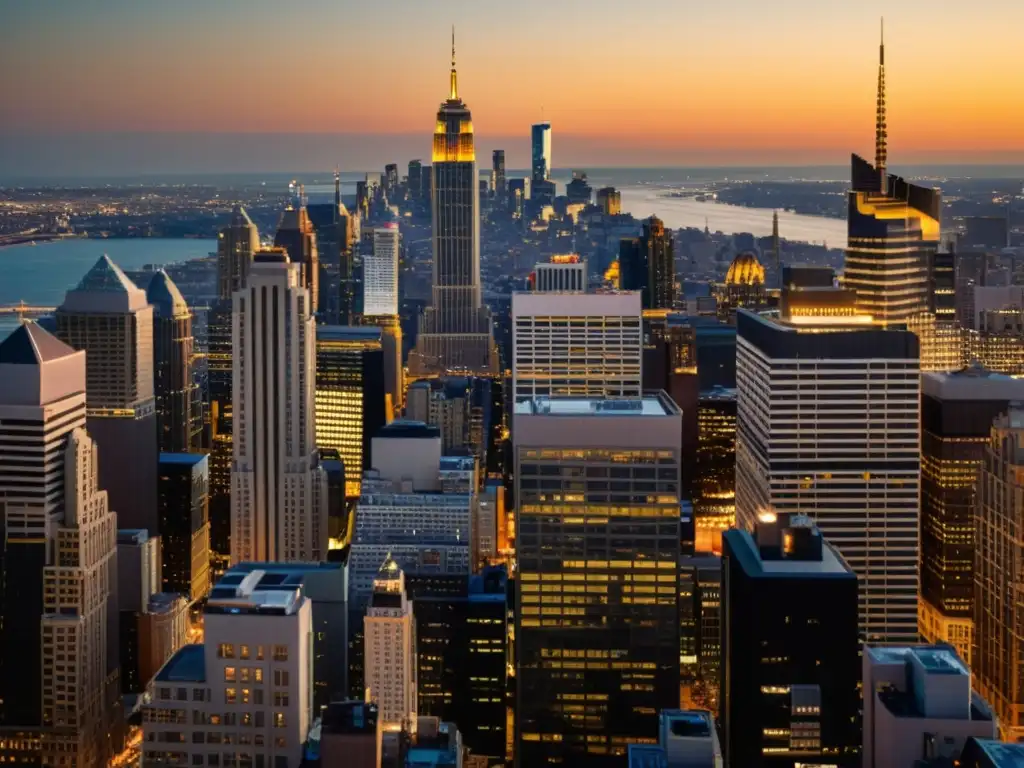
(540, 145)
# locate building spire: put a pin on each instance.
(337, 187)
(453, 94)
(775, 238)
(880, 132)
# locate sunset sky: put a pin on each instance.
(646, 82)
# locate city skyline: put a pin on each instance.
(789, 93)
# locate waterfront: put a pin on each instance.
(40, 275)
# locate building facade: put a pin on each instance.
(237, 243)
(597, 626)
(567, 274)
(296, 235)
(391, 649)
(540, 151)
(827, 425)
(183, 493)
(178, 423)
(586, 345)
(278, 491)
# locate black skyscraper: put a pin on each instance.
(183, 500)
(647, 264)
(790, 649)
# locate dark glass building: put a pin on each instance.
(790, 649)
(714, 491)
(183, 506)
(219, 440)
(957, 411)
(540, 151)
(578, 190)
(332, 226)
(295, 234)
(647, 264)
(498, 173)
(177, 425)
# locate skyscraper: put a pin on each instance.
(893, 226)
(456, 331)
(236, 245)
(391, 180)
(647, 264)
(498, 173)
(998, 631)
(332, 225)
(957, 411)
(278, 491)
(184, 500)
(178, 424)
(790, 651)
(380, 272)
(827, 426)
(350, 395)
(581, 344)
(391, 649)
(597, 630)
(295, 234)
(540, 151)
(609, 200)
(414, 180)
(109, 318)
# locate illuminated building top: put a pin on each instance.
(745, 270)
(453, 133)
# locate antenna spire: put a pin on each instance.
(337, 186)
(881, 148)
(453, 94)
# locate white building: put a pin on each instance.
(278, 491)
(827, 425)
(918, 706)
(576, 344)
(245, 696)
(60, 543)
(561, 274)
(380, 273)
(390, 655)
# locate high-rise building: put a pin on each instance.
(998, 631)
(790, 648)
(391, 649)
(827, 425)
(919, 707)
(540, 151)
(183, 494)
(380, 272)
(498, 173)
(957, 411)
(250, 682)
(237, 243)
(893, 227)
(585, 345)
(295, 234)
(351, 403)
(178, 426)
(455, 335)
(597, 624)
(647, 264)
(138, 580)
(415, 179)
(109, 318)
(278, 491)
(714, 487)
(609, 200)
(578, 190)
(333, 228)
(564, 273)
(48, 500)
(391, 180)
(686, 739)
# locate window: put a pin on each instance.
(230, 695)
(258, 672)
(281, 677)
(257, 696)
(245, 695)
(259, 653)
(279, 720)
(225, 651)
(280, 653)
(229, 674)
(259, 720)
(243, 652)
(280, 699)
(280, 741)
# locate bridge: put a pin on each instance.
(21, 309)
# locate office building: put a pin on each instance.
(919, 707)
(609, 200)
(790, 649)
(647, 264)
(498, 173)
(455, 334)
(986, 232)
(744, 287)
(380, 272)
(893, 226)
(325, 585)
(598, 651)
(350, 734)
(686, 739)
(838, 398)
(489, 522)
(578, 190)
(295, 234)
(391, 180)
(177, 420)
(49, 500)
(446, 404)
(237, 243)
(519, 192)
(997, 339)
(162, 630)
(482, 707)
(585, 345)
(414, 179)
(183, 499)
(714, 488)
(278, 492)
(333, 227)
(219, 372)
(391, 649)
(700, 626)
(108, 318)
(138, 579)
(247, 688)
(540, 151)
(948, 335)
(351, 404)
(998, 631)
(957, 411)
(565, 273)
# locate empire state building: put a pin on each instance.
(455, 335)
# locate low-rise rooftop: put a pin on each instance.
(648, 405)
(188, 665)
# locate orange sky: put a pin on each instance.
(793, 76)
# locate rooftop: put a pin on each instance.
(409, 428)
(750, 557)
(935, 659)
(165, 297)
(350, 717)
(648, 405)
(188, 665)
(182, 459)
(105, 289)
(1001, 753)
(30, 344)
(243, 593)
(347, 333)
(647, 756)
